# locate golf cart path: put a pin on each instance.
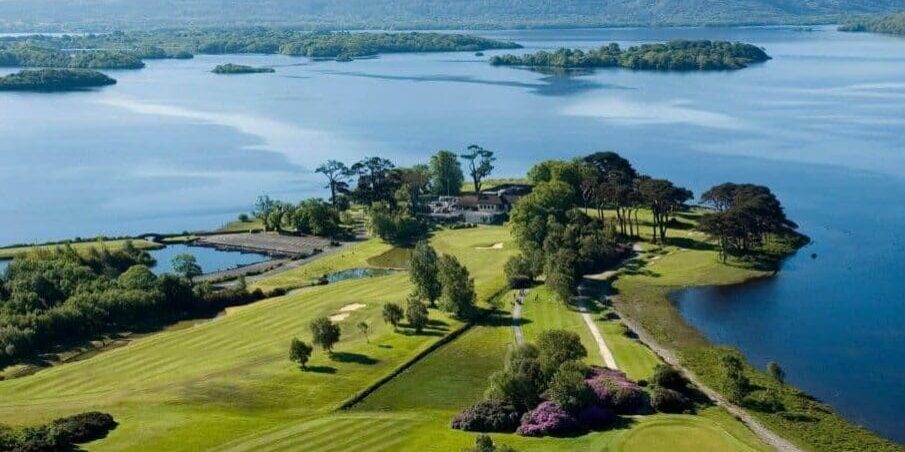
(608, 359)
(517, 316)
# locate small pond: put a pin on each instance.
(209, 259)
(357, 273)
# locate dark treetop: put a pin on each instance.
(670, 56)
(54, 80)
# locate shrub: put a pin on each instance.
(488, 416)
(557, 347)
(667, 400)
(595, 417)
(568, 389)
(768, 401)
(519, 272)
(615, 391)
(483, 443)
(547, 419)
(668, 377)
(83, 427)
(521, 380)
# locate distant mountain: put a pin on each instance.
(389, 14)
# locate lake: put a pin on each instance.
(174, 147)
(210, 259)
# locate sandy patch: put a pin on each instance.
(352, 307)
(495, 246)
(339, 317)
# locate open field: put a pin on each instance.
(9, 253)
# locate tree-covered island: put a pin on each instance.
(54, 80)
(671, 56)
(230, 68)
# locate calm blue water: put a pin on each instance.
(209, 259)
(173, 147)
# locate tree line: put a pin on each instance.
(126, 49)
(57, 297)
(392, 196)
(679, 55)
(893, 24)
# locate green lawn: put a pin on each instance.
(9, 253)
(253, 224)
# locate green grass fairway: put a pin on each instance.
(9, 253)
(670, 433)
(632, 357)
(543, 311)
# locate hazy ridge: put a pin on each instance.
(72, 15)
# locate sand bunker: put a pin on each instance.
(339, 317)
(352, 307)
(495, 246)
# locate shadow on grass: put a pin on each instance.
(358, 358)
(320, 369)
(691, 244)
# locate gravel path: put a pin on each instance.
(766, 435)
(517, 316)
(608, 359)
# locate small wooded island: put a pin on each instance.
(231, 68)
(54, 80)
(670, 56)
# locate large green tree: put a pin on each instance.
(336, 173)
(424, 272)
(446, 174)
(325, 333)
(480, 164)
(458, 295)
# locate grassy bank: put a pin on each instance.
(642, 289)
(82, 246)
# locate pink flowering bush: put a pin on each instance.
(614, 390)
(547, 419)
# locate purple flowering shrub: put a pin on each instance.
(547, 419)
(614, 390)
(488, 416)
(595, 417)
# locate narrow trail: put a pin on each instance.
(608, 359)
(605, 353)
(517, 316)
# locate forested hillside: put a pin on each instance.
(105, 14)
(893, 24)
